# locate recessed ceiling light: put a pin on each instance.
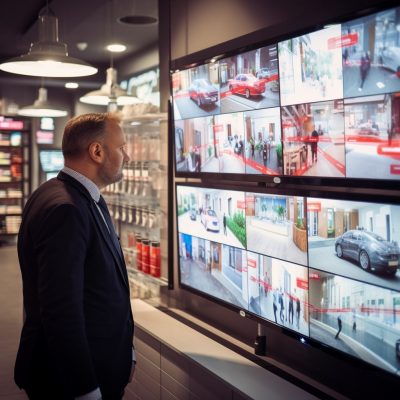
(116, 48)
(71, 85)
(82, 46)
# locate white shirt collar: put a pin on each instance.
(89, 185)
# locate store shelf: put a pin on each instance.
(144, 286)
(14, 179)
(135, 204)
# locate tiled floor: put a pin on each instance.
(10, 324)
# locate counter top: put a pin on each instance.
(237, 371)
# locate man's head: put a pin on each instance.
(94, 145)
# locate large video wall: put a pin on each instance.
(324, 104)
(327, 269)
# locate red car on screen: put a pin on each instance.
(246, 84)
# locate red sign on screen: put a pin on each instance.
(251, 263)
(350, 40)
(395, 169)
(250, 198)
(391, 150)
(314, 275)
(314, 206)
(343, 41)
(218, 128)
(241, 204)
(302, 284)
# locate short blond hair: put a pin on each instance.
(83, 130)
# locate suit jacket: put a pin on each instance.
(78, 330)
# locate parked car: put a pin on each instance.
(367, 129)
(390, 58)
(210, 220)
(203, 92)
(265, 73)
(246, 84)
(274, 85)
(370, 250)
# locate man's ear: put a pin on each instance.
(96, 152)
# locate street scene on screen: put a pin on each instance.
(372, 132)
(310, 67)
(278, 291)
(212, 214)
(194, 144)
(226, 145)
(195, 92)
(276, 226)
(263, 142)
(213, 268)
(357, 318)
(249, 80)
(355, 239)
(313, 139)
(371, 54)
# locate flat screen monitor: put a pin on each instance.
(51, 160)
(326, 269)
(325, 104)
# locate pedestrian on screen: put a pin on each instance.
(339, 322)
(224, 223)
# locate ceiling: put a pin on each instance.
(90, 21)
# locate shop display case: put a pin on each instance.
(14, 173)
(138, 204)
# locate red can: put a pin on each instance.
(146, 256)
(155, 259)
(139, 253)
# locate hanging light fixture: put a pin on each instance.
(48, 57)
(110, 92)
(42, 107)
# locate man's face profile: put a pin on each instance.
(115, 155)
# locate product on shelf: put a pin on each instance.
(14, 168)
(155, 260)
(146, 256)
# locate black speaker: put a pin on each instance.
(260, 345)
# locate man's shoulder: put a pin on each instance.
(56, 192)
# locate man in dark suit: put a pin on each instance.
(76, 341)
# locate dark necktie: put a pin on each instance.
(104, 209)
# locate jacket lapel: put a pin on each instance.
(107, 238)
(100, 225)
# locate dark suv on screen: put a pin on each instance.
(370, 250)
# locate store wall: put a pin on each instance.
(138, 62)
(198, 25)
